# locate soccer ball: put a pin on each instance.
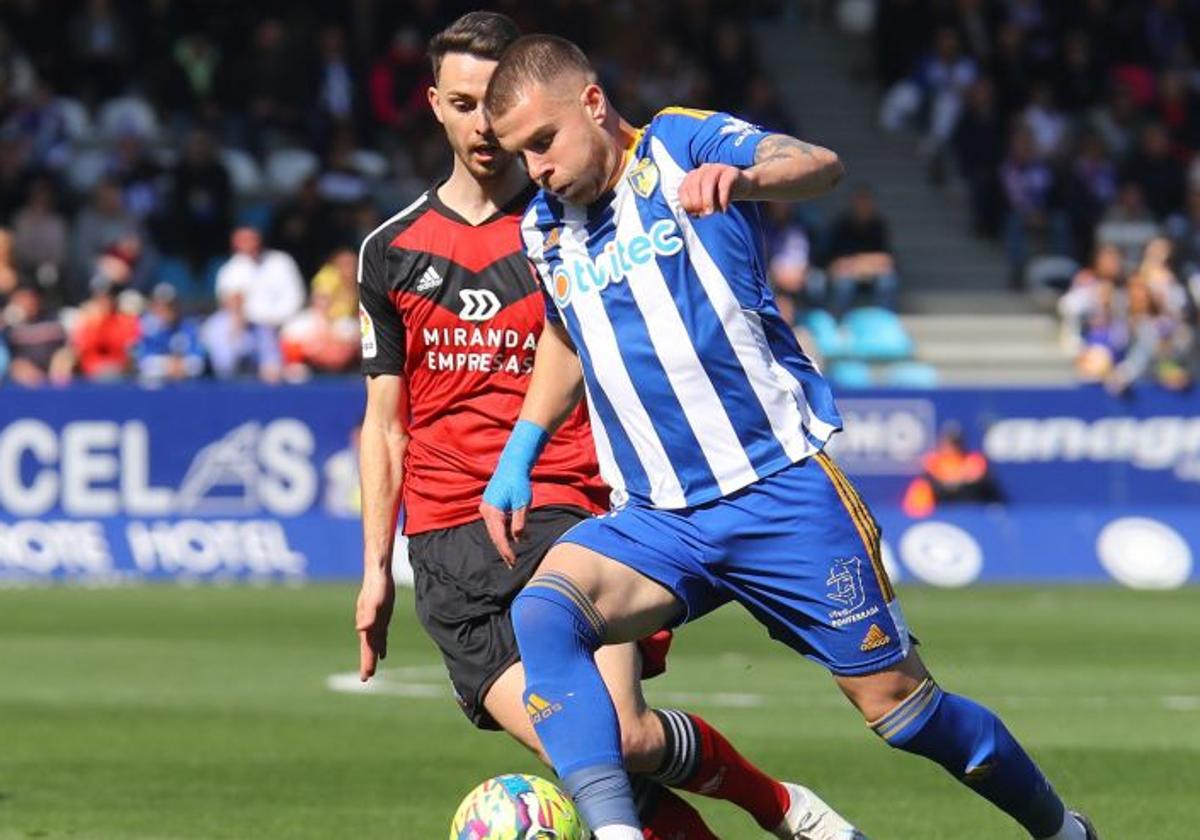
(517, 807)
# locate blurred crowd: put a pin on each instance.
(1074, 126)
(184, 183)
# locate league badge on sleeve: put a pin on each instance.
(367, 327)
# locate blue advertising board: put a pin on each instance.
(247, 481)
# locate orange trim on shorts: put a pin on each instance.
(864, 523)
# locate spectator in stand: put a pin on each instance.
(1155, 169)
(1091, 186)
(315, 341)
(10, 278)
(36, 341)
(169, 349)
(1158, 344)
(1080, 84)
(763, 107)
(237, 347)
(273, 92)
(951, 474)
(336, 88)
(1091, 287)
(1046, 123)
(860, 254)
(787, 250)
(98, 227)
(304, 227)
(938, 85)
(99, 43)
(398, 83)
(40, 236)
(1178, 108)
(38, 124)
(1118, 122)
(201, 203)
(979, 148)
(1033, 203)
(1185, 234)
(103, 336)
(268, 281)
(338, 279)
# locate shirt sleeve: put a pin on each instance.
(697, 137)
(380, 323)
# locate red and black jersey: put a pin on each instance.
(456, 309)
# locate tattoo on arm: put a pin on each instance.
(781, 146)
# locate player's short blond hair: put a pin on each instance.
(533, 59)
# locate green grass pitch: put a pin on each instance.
(172, 712)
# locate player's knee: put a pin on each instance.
(641, 742)
(548, 618)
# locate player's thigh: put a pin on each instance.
(804, 558)
(632, 604)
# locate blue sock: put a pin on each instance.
(974, 746)
(558, 630)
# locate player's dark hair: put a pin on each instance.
(537, 59)
(481, 34)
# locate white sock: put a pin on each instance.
(1071, 830)
(617, 832)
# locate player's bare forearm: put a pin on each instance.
(788, 169)
(556, 385)
(382, 443)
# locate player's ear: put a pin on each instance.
(595, 102)
(435, 103)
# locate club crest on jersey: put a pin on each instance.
(644, 177)
(581, 275)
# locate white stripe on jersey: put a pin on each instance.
(727, 458)
(609, 369)
(609, 470)
(362, 249)
(780, 397)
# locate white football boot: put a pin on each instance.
(809, 818)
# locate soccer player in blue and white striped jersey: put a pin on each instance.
(710, 424)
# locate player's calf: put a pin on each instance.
(558, 630)
(974, 746)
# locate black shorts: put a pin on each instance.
(464, 592)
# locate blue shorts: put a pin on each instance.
(799, 549)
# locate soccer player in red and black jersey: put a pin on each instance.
(450, 313)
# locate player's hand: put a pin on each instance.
(710, 188)
(505, 503)
(372, 615)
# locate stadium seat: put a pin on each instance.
(1048, 276)
(175, 271)
(911, 375)
(128, 115)
(875, 334)
(287, 169)
(825, 332)
(851, 374)
(257, 214)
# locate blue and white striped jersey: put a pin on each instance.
(696, 386)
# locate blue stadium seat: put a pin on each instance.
(912, 375)
(876, 334)
(176, 272)
(849, 374)
(257, 215)
(825, 332)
